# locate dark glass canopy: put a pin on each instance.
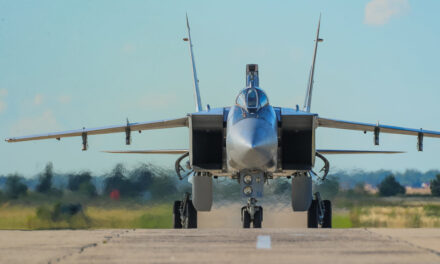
(252, 99)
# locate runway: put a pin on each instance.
(267, 245)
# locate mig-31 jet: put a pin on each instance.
(252, 142)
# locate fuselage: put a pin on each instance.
(252, 135)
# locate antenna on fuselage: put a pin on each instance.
(308, 100)
(196, 80)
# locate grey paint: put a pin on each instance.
(202, 192)
(251, 143)
(193, 64)
(301, 192)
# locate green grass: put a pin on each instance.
(432, 210)
(15, 217)
(365, 212)
(158, 216)
(341, 220)
(25, 218)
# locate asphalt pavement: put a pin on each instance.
(226, 245)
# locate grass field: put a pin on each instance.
(341, 220)
(25, 218)
(360, 210)
(401, 216)
(382, 213)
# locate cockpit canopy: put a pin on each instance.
(252, 99)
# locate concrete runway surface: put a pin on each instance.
(227, 245)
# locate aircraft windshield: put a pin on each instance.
(252, 99)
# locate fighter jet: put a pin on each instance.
(251, 142)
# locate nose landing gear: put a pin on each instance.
(251, 213)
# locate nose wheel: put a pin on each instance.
(251, 213)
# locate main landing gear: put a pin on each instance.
(184, 213)
(251, 213)
(319, 213)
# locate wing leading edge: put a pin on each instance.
(151, 151)
(184, 151)
(340, 124)
(160, 124)
(343, 151)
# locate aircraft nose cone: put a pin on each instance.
(252, 144)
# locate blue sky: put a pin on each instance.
(72, 64)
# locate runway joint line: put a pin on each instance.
(396, 239)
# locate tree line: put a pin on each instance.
(409, 177)
(144, 181)
(148, 182)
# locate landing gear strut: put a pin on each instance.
(184, 213)
(251, 213)
(319, 213)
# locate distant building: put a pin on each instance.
(370, 188)
(424, 189)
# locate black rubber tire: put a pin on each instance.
(258, 218)
(245, 218)
(327, 221)
(177, 223)
(312, 215)
(192, 215)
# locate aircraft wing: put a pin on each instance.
(151, 151)
(170, 123)
(340, 124)
(343, 151)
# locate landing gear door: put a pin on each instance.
(297, 140)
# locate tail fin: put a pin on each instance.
(308, 100)
(196, 80)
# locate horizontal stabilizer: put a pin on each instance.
(342, 151)
(152, 151)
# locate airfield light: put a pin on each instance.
(247, 179)
(247, 190)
